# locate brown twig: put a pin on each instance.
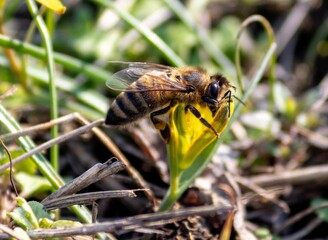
(261, 192)
(131, 223)
(304, 231)
(317, 139)
(239, 215)
(39, 127)
(301, 215)
(299, 176)
(64, 197)
(52, 142)
(87, 198)
(94, 174)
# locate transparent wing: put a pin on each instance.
(122, 80)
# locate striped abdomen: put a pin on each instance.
(129, 106)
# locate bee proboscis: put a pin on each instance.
(154, 89)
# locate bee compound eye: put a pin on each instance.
(213, 90)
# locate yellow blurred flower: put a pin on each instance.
(54, 5)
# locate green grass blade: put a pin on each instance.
(54, 151)
(271, 40)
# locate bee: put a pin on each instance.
(154, 89)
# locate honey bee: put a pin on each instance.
(154, 89)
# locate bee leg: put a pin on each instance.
(212, 104)
(159, 124)
(197, 114)
(228, 96)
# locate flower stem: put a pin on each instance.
(171, 196)
(173, 192)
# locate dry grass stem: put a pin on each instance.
(87, 198)
(144, 220)
(39, 127)
(53, 142)
(94, 174)
(299, 176)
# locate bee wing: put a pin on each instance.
(122, 80)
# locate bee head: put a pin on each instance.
(218, 88)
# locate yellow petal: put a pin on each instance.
(189, 137)
(54, 5)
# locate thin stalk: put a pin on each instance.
(54, 151)
(256, 79)
(50, 21)
(168, 201)
(173, 192)
(271, 39)
(28, 37)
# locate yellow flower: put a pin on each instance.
(189, 136)
(189, 139)
(54, 5)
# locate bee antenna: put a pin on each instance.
(239, 100)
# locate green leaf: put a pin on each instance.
(24, 215)
(38, 210)
(27, 165)
(19, 216)
(27, 215)
(32, 184)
